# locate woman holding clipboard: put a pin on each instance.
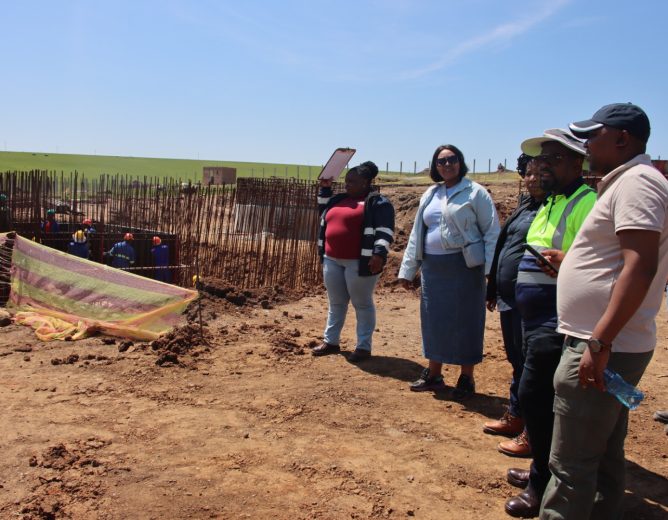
(356, 230)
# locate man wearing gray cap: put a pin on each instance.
(609, 291)
(559, 157)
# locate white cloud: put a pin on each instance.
(503, 33)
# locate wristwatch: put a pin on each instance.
(597, 345)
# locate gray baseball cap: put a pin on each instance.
(533, 145)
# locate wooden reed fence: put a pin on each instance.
(261, 232)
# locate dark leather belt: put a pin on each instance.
(570, 341)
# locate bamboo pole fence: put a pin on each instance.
(255, 233)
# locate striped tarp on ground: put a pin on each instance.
(91, 296)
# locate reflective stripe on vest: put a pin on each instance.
(535, 277)
(560, 231)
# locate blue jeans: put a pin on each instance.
(511, 330)
(344, 284)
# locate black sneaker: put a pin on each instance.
(465, 387)
(426, 383)
(324, 349)
(359, 355)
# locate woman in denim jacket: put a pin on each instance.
(452, 243)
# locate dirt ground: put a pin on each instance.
(247, 424)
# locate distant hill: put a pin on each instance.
(185, 169)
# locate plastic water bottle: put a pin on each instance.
(625, 393)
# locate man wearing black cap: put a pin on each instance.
(609, 290)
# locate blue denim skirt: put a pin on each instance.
(452, 310)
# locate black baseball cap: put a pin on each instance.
(624, 116)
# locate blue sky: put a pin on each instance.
(290, 81)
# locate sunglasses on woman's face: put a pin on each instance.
(452, 159)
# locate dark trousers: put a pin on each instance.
(511, 329)
(542, 352)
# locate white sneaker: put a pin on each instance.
(661, 416)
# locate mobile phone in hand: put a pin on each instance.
(540, 258)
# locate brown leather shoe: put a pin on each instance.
(508, 425)
(524, 505)
(324, 349)
(517, 447)
(518, 477)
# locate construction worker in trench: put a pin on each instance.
(88, 226)
(122, 254)
(79, 245)
(160, 255)
(50, 225)
(5, 214)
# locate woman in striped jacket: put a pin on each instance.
(356, 230)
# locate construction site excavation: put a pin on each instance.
(186, 389)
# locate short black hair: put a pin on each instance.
(367, 170)
(463, 169)
(522, 163)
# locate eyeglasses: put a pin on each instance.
(451, 159)
(551, 158)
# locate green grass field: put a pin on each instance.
(184, 169)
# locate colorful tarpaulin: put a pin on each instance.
(66, 297)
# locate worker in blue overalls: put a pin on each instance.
(160, 254)
(123, 254)
(79, 245)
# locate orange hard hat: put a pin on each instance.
(157, 241)
(128, 236)
(87, 222)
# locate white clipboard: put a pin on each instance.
(336, 164)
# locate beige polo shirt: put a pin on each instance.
(633, 196)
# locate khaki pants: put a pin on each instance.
(587, 453)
